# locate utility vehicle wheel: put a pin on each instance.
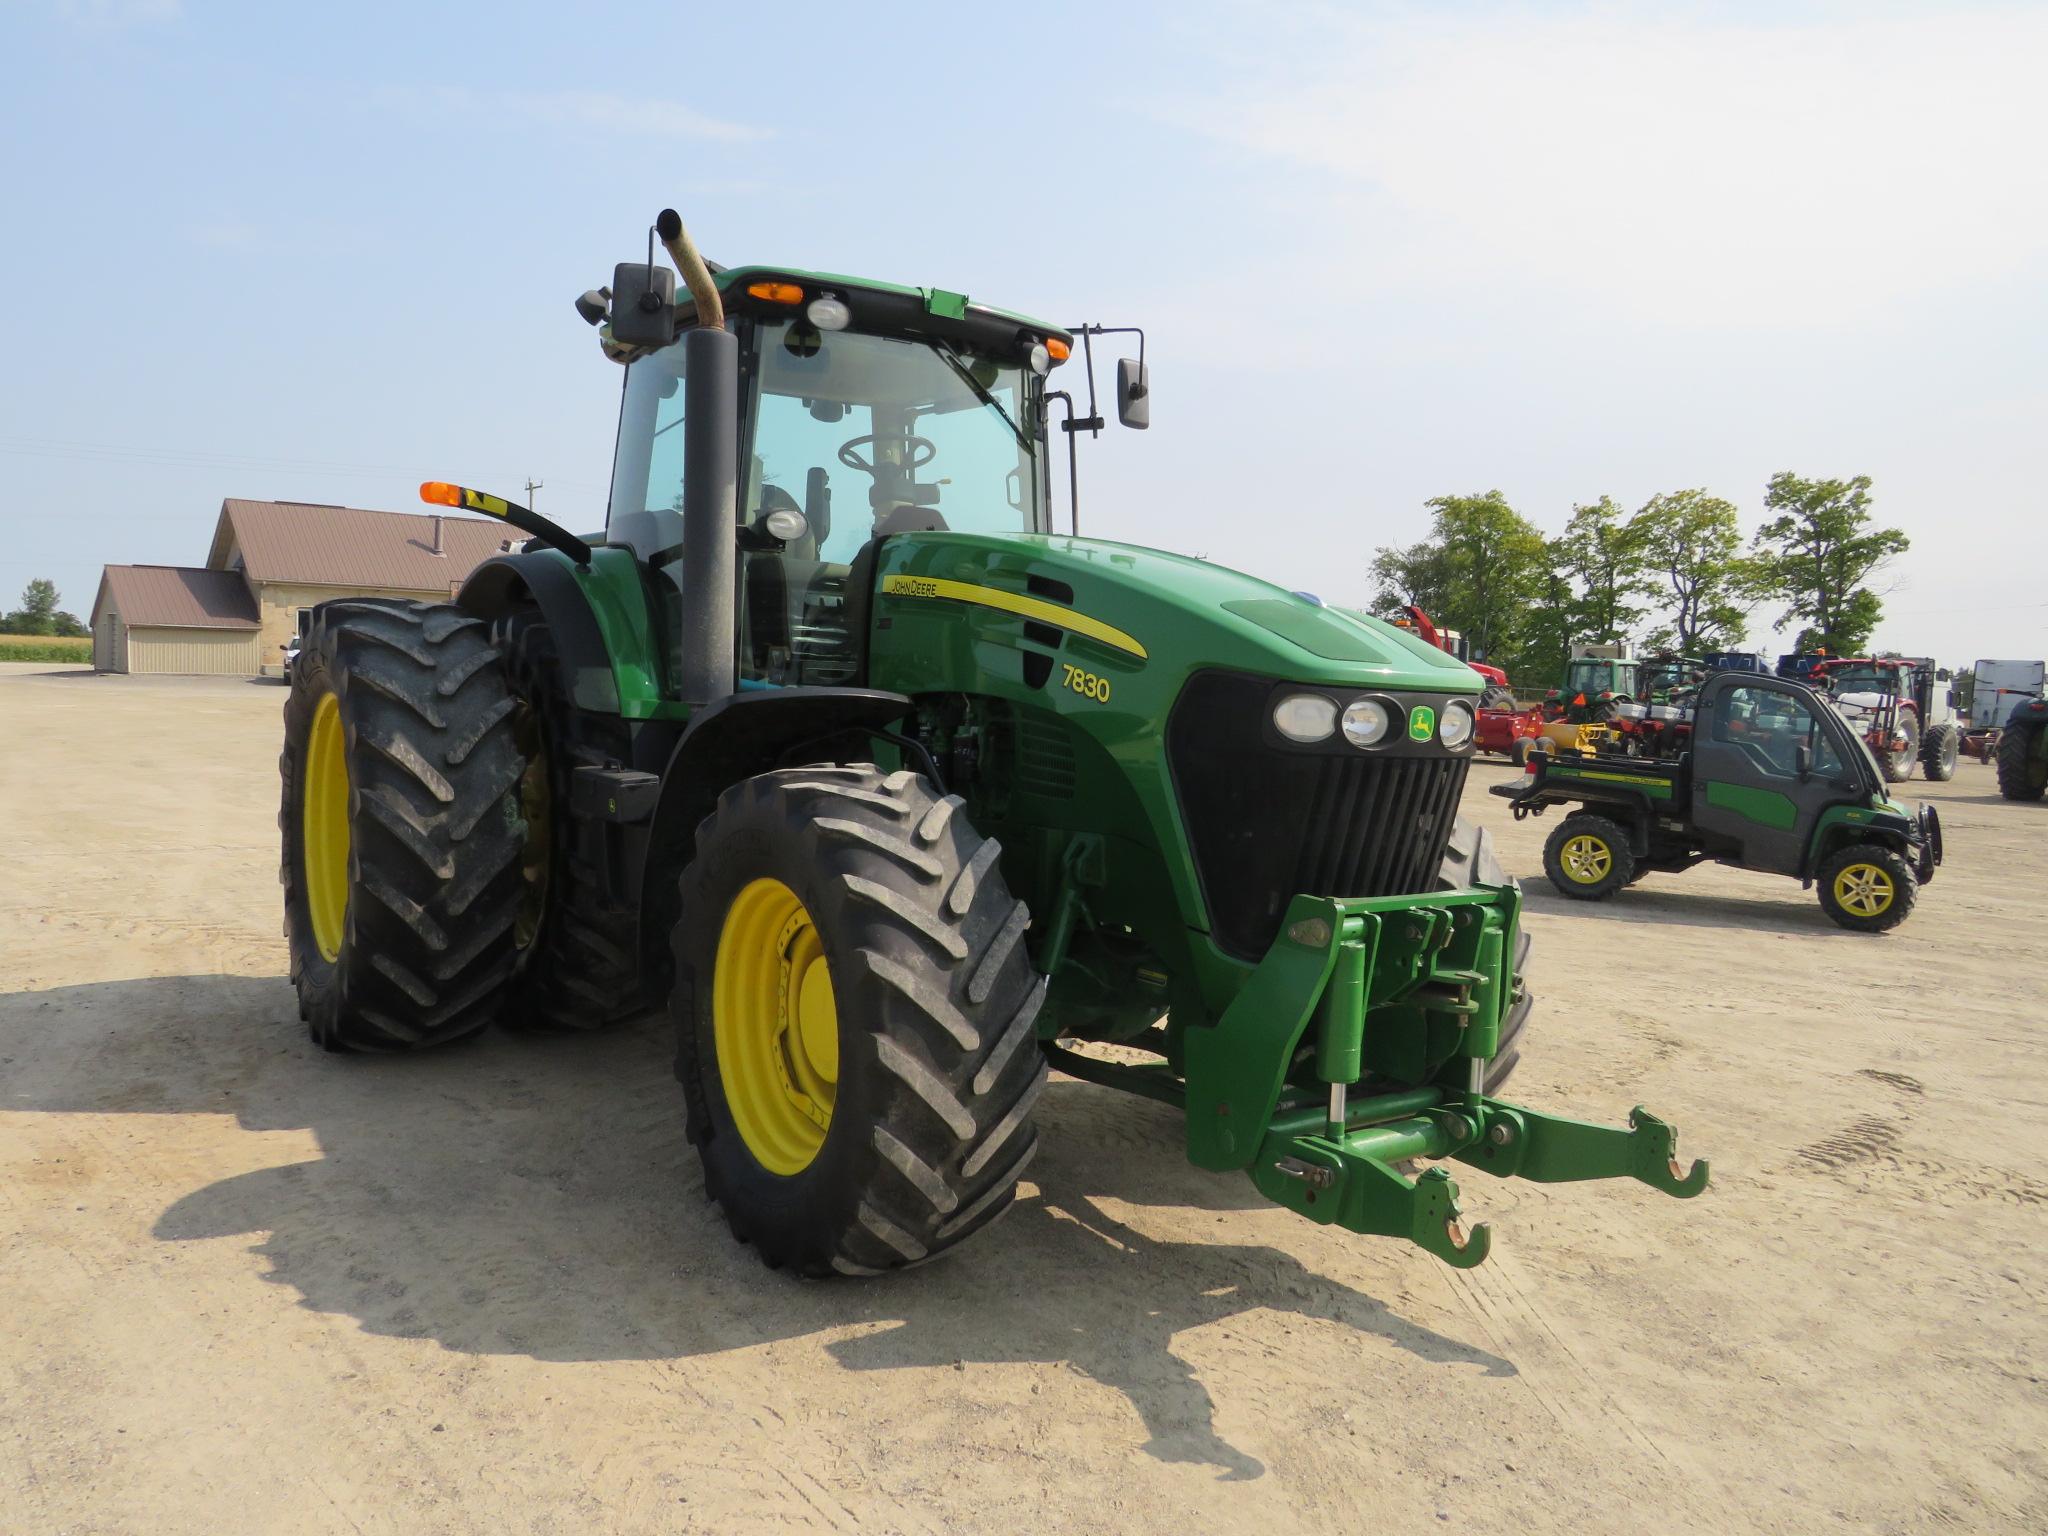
(401, 826)
(1867, 887)
(2022, 773)
(1588, 858)
(1497, 697)
(854, 1010)
(1938, 749)
(1469, 860)
(577, 947)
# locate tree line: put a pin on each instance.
(39, 613)
(1675, 574)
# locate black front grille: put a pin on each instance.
(1268, 823)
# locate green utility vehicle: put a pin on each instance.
(1774, 780)
(892, 794)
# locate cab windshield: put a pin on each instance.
(862, 434)
(1863, 679)
(1594, 677)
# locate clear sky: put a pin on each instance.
(1382, 252)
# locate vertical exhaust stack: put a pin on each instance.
(711, 386)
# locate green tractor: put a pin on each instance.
(2023, 752)
(892, 796)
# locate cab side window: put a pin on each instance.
(1768, 726)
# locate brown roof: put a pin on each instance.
(351, 546)
(177, 595)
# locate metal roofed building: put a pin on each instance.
(270, 563)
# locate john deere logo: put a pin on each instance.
(1421, 723)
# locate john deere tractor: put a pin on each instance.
(892, 796)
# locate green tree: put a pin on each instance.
(1554, 622)
(1693, 543)
(1600, 553)
(37, 614)
(1478, 571)
(1816, 557)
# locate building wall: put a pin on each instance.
(110, 643)
(278, 604)
(226, 652)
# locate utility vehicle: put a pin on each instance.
(892, 794)
(1775, 780)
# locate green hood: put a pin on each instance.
(1185, 614)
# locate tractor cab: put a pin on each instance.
(863, 412)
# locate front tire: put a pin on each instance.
(875, 1110)
(401, 826)
(1588, 858)
(1867, 888)
(1898, 766)
(1938, 750)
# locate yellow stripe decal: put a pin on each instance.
(483, 501)
(1013, 602)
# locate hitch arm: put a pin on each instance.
(1550, 1149)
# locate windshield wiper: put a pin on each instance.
(981, 392)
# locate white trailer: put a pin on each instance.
(1999, 689)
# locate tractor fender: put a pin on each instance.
(505, 583)
(735, 738)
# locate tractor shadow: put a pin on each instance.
(537, 1197)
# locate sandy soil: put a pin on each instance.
(250, 1287)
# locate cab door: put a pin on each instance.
(1748, 736)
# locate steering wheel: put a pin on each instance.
(922, 451)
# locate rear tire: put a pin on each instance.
(416, 761)
(2021, 773)
(578, 969)
(933, 1006)
(1867, 887)
(1938, 750)
(1588, 858)
(1497, 697)
(1469, 860)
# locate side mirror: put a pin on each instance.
(643, 305)
(1133, 393)
(1802, 760)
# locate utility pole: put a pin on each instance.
(532, 485)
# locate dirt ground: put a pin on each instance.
(250, 1287)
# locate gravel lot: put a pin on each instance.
(251, 1287)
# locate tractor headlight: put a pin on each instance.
(1454, 726)
(1365, 723)
(1305, 717)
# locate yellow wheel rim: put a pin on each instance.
(1586, 859)
(1867, 890)
(775, 1024)
(323, 808)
